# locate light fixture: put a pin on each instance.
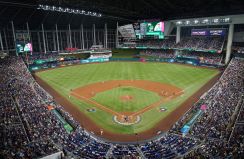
(179, 22)
(196, 21)
(227, 19)
(68, 10)
(187, 22)
(216, 20)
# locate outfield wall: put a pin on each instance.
(54, 64)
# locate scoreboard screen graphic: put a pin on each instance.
(152, 30)
(23, 47)
(149, 30)
(23, 43)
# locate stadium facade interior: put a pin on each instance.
(69, 69)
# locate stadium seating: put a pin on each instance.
(157, 54)
(203, 57)
(200, 43)
(189, 42)
(30, 130)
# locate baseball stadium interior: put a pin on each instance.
(121, 79)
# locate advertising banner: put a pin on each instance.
(127, 31)
(208, 32)
(95, 60)
(198, 32)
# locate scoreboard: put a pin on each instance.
(23, 43)
(143, 30)
(149, 30)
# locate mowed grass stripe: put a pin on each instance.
(185, 77)
(140, 98)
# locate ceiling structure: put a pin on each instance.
(123, 11)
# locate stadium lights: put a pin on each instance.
(187, 22)
(196, 21)
(68, 10)
(216, 20)
(205, 21)
(179, 22)
(227, 20)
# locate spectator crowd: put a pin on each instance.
(193, 43)
(201, 43)
(203, 57)
(30, 130)
(218, 126)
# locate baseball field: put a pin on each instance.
(127, 98)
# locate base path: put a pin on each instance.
(166, 92)
(89, 91)
(163, 125)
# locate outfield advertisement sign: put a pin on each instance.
(41, 65)
(208, 32)
(95, 60)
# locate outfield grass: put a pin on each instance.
(185, 77)
(140, 99)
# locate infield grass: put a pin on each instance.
(188, 78)
(126, 99)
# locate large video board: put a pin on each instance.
(23, 43)
(149, 30)
(152, 30)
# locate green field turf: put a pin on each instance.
(185, 77)
(140, 99)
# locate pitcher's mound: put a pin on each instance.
(126, 98)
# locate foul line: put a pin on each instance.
(97, 104)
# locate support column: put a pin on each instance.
(57, 37)
(98, 37)
(47, 43)
(70, 39)
(229, 43)
(117, 36)
(67, 37)
(82, 35)
(12, 23)
(54, 41)
(74, 38)
(44, 40)
(87, 47)
(105, 36)
(104, 43)
(1, 40)
(5, 39)
(178, 34)
(81, 47)
(61, 41)
(94, 34)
